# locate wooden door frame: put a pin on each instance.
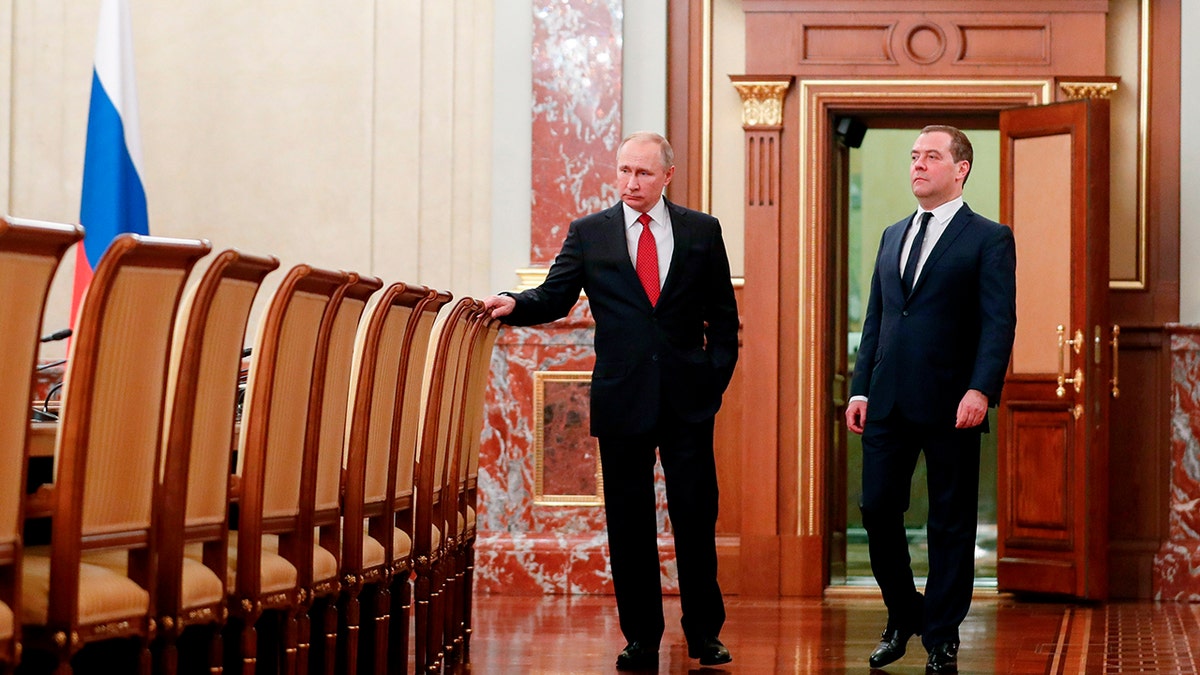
(820, 101)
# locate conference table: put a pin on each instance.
(41, 438)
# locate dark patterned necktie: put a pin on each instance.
(914, 255)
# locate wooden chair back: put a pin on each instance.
(321, 478)
(107, 452)
(400, 505)
(326, 438)
(30, 252)
(270, 541)
(483, 338)
(440, 415)
(409, 415)
(193, 504)
(382, 349)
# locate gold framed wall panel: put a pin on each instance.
(566, 456)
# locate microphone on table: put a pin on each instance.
(57, 335)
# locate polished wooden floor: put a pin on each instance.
(579, 634)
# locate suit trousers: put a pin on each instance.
(689, 470)
(890, 450)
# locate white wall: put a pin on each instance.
(1189, 166)
(352, 135)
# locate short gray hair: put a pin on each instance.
(664, 147)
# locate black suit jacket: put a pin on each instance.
(953, 333)
(680, 352)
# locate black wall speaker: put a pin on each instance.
(849, 131)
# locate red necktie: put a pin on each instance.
(647, 259)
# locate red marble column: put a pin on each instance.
(1177, 565)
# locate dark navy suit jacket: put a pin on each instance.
(680, 352)
(953, 333)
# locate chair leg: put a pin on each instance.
(460, 580)
(291, 642)
(349, 620)
(249, 637)
(216, 651)
(330, 637)
(449, 590)
(381, 623)
(435, 651)
(468, 596)
(423, 617)
(145, 658)
(303, 641)
(401, 612)
(166, 656)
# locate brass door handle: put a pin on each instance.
(1076, 344)
(1116, 342)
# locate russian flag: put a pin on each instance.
(113, 200)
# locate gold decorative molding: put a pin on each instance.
(531, 277)
(1076, 90)
(762, 99)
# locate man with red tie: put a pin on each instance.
(657, 279)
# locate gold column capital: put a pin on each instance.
(762, 99)
(1079, 88)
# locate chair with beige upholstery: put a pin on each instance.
(390, 608)
(206, 356)
(265, 550)
(321, 478)
(444, 372)
(107, 456)
(453, 564)
(381, 353)
(483, 339)
(30, 252)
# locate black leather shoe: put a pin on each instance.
(891, 647)
(638, 656)
(710, 651)
(943, 658)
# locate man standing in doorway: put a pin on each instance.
(657, 279)
(935, 348)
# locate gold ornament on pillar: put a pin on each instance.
(762, 99)
(1079, 88)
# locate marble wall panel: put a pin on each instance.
(524, 546)
(576, 116)
(1177, 565)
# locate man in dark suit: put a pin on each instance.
(657, 278)
(935, 348)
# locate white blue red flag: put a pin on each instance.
(113, 199)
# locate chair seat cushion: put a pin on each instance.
(275, 572)
(402, 543)
(325, 565)
(199, 586)
(104, 594)
(372, 552)
(6, 621)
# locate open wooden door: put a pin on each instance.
(1053, 431)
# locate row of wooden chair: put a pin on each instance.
(349, 506)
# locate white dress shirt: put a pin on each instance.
(660, 227)
(942, 215)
